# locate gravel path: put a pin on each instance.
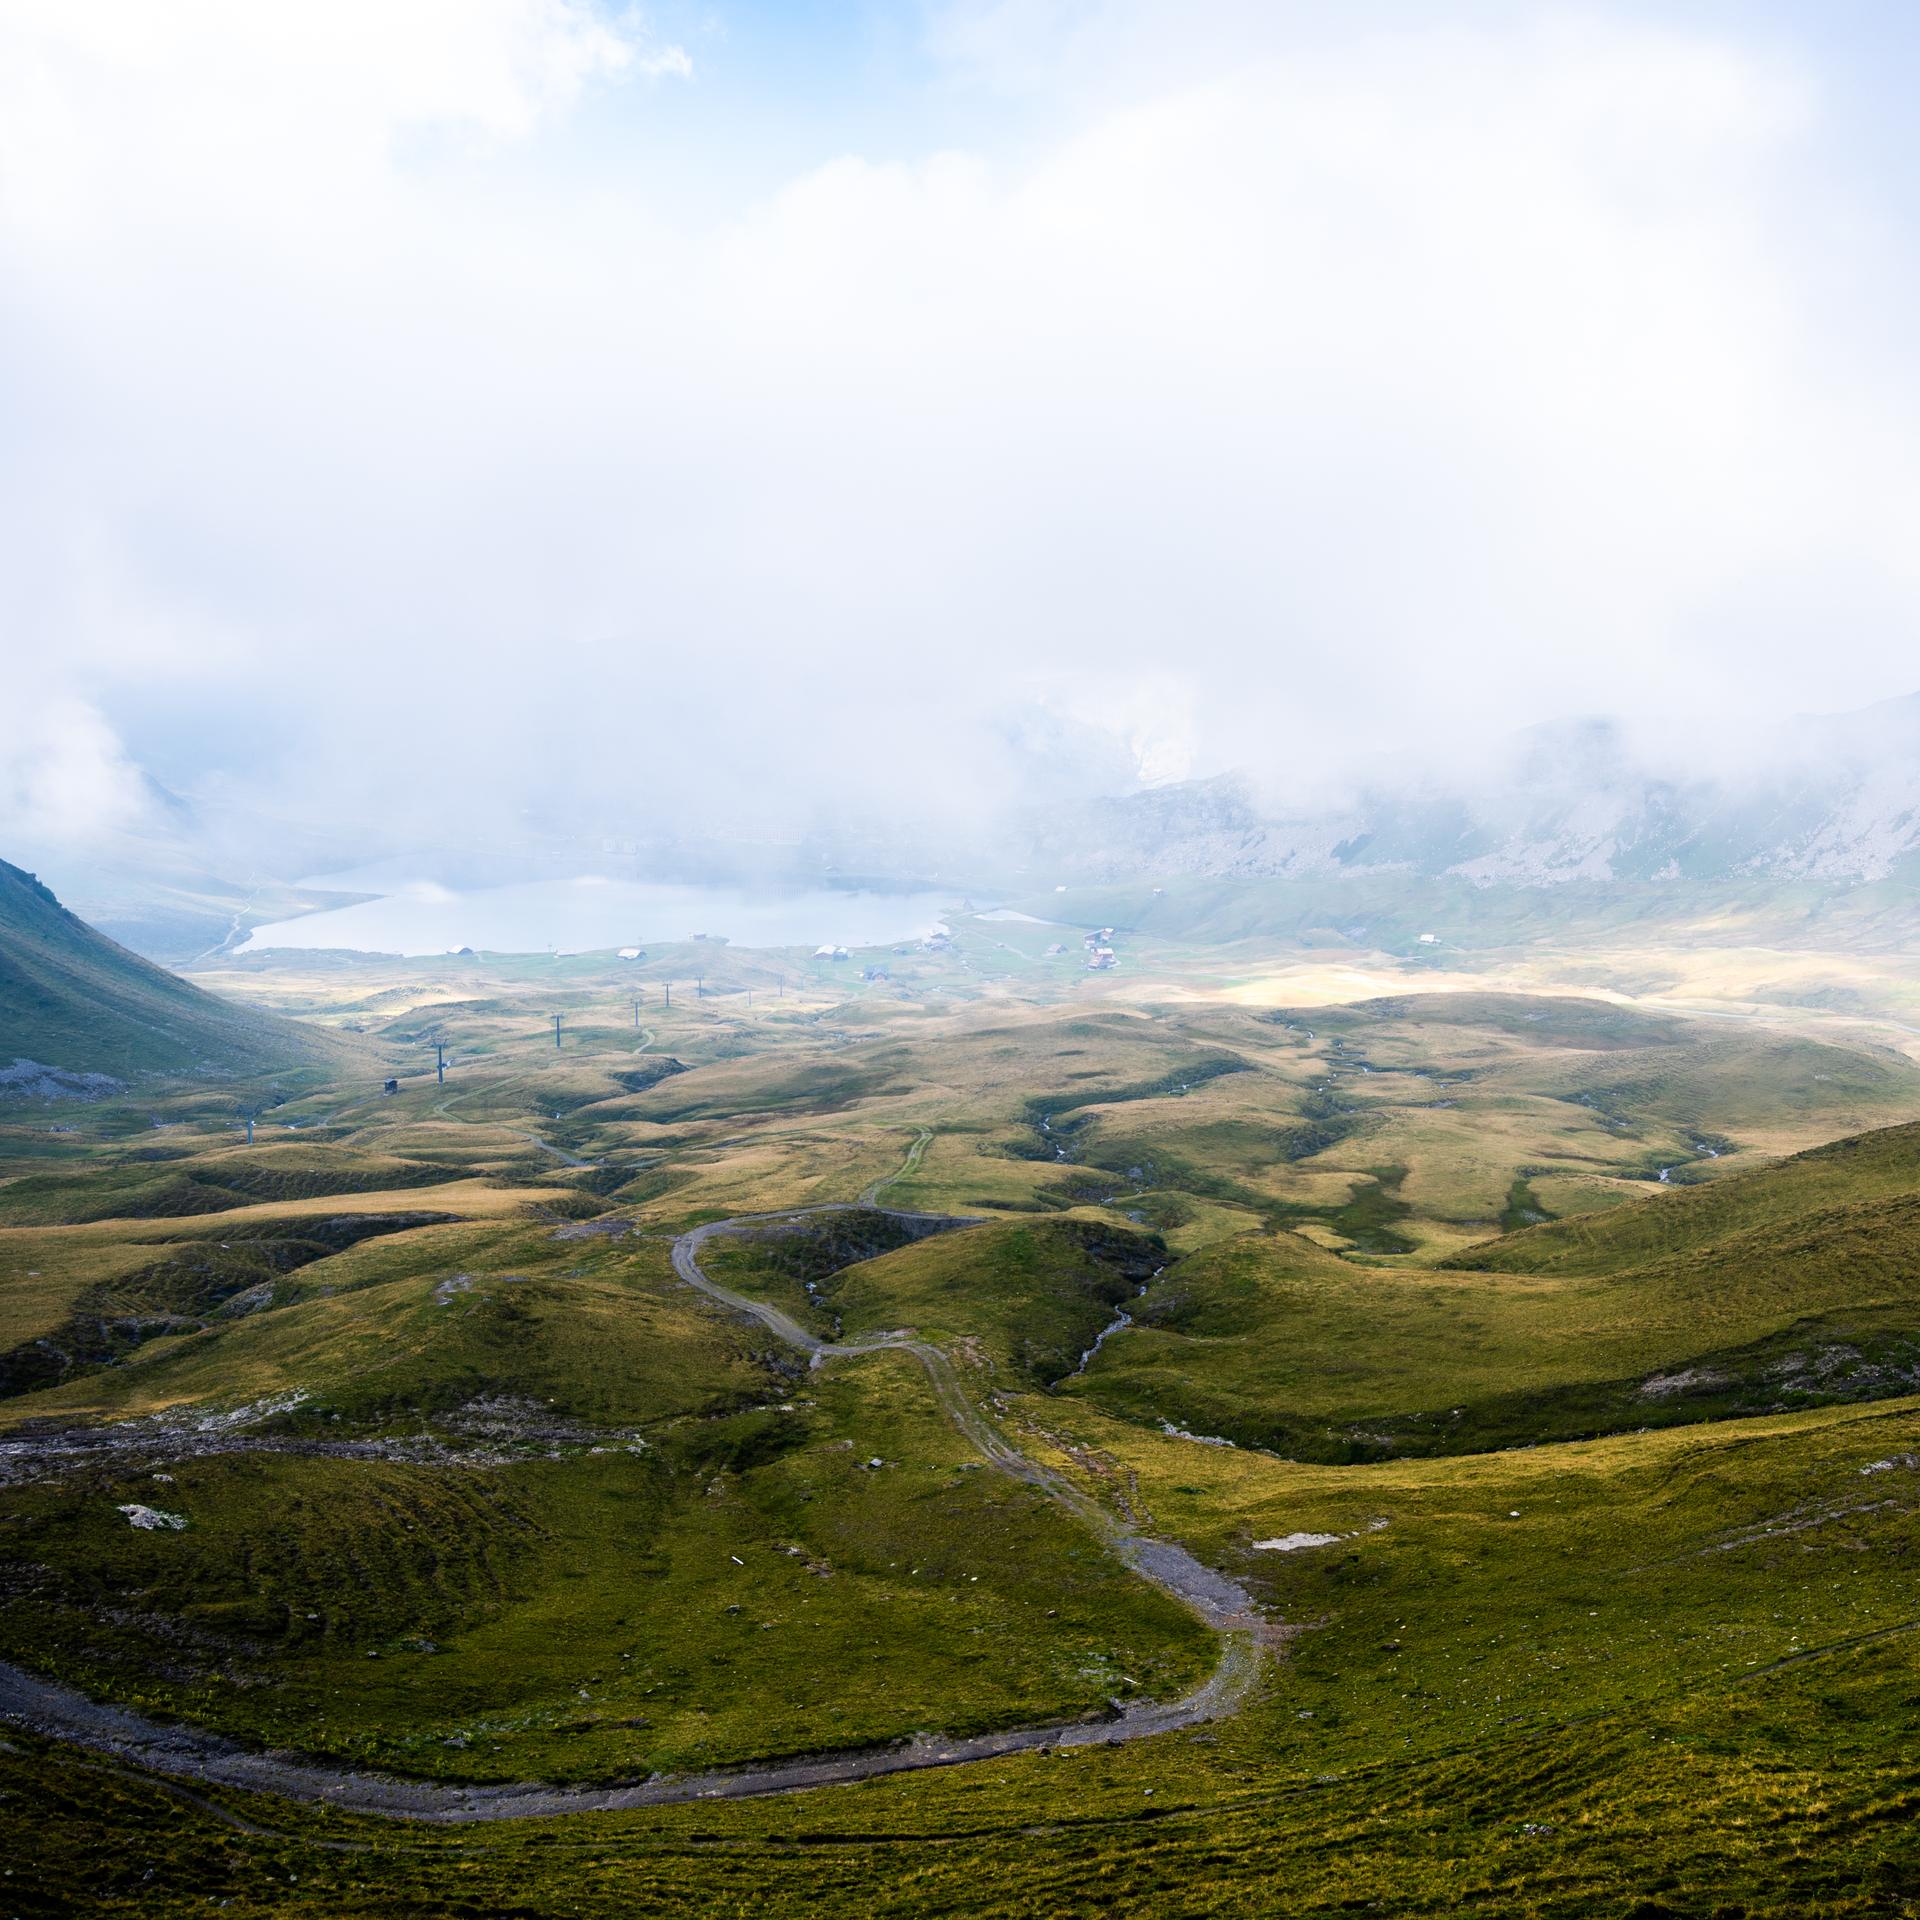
(47, 1708)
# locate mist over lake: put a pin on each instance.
(589, 912)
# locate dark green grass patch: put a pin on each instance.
(788, 1264)
(1524, 1207)
(182, 1289)
(732, 1589)
(1655, 1688)
(1033, 1296)
(1272, 1342)
(1368, 1218)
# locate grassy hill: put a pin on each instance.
(72, 1000)
(1848, 1174)
(1031, 1296)
(541, 1510)
(1790, 1286)
(1584, 1559)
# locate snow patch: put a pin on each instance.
(154, 1519)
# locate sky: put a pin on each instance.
(422, 411)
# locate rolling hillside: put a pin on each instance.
(73, 1002)
(1851, 1179)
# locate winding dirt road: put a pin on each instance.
(47, 1708)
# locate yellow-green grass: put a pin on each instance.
(43, 1270)
(1461, 1110)
(966, 1168)
(424, 1321)
(1027, 1297)
(472, 1198)
(1868, 1168)
(1272, 1340)
(1657, 1689)
(211, 1181)
(80, 1299)
(1460, 1596)
(730, 1588)
(793, 1167)
(1664, 1771)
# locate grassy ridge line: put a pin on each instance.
(212, 1183)
(1876, 1166)
(1793, 1285)
(72, 999)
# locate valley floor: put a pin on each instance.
(1525, 1390)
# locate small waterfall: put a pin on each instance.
(1121, 1319)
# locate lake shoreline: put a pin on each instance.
(590, 913)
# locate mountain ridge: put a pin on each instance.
(1838, 802)
(77, 1009)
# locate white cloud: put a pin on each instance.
(666, 62)
(1288, 390)
(64, 777)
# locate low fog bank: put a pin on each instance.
(1024, 802)
(544, 437)
(457, 428)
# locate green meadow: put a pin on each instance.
(1545, 1368)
